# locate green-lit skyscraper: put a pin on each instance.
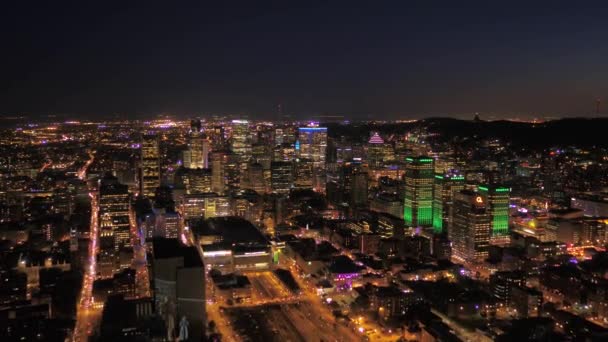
(446, 185)
(497, 199)
(418, 202)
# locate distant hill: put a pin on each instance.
(583, 132)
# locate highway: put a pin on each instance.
(82, 173)
(87, 317)
(45, 166)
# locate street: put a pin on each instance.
(87, 316)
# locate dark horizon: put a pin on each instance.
(365, 61)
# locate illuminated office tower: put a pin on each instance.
(150, 165)
(446, 185)
(261, 152)
(284, 152)
(255, 179)
(217, 206)
(418, 203)
(225, 171)
(278, 136)
(281, 180)
(168, 225)
(217, 138)
(218, 160)
(114, 206)
(198, 152)
(240, 142)
(193, 206)
(233, 170)
(303, 174)
(497, 198)
(378, 152)
(204, 206)
(197, 181)
(470, 232)
(312, 144)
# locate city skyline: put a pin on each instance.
(364, 61)
(392, 171)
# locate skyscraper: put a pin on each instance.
(446, 185)
(255, 179)
(216, 136)
(198, 152)
(418, 203)
(218, 160)
(197, 181)
(379, 152)
(312, 144)
(303, 178)
(470, 232)
(225, 172)
(358, 189)
(497, 198)
(150, 165)
(281, 177)
(114, 206)
(240, 142)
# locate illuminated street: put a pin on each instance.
(82, 173)
(413, 171)
(140, 263)
(88, 317)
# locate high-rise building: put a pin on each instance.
(281, 177)
(284, 152)
(168, 224)
(304, 176)
(217, 138)
(255, 177)
(358, 189)
(418, 203)
(379, 152)
(150, 165)
(178, 275)
(114, 206)
(218, 160)
(497, 199)
(312, 144)
(198, 152)
(204, 206)
(502, 283)
(470, 231)
(224, 171)
(197, 181)
(217, 206)
(446, 185)
(240, 142)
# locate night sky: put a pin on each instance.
(379, 59)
